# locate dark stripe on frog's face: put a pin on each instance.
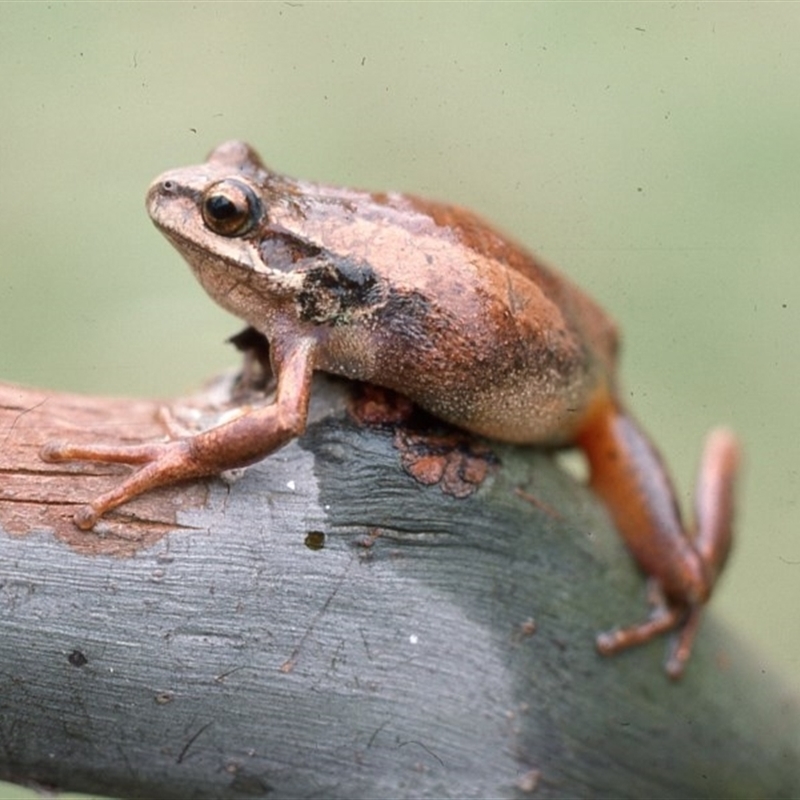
(333, 292)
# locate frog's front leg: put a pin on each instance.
(238, 443)
(629, 475)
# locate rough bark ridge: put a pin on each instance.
(329, 626)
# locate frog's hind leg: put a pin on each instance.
(714, 513)
(629, 475)
(714, 500)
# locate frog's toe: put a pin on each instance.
(86, 517)
(53, 451)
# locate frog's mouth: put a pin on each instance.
(229, 270)
(207, 251)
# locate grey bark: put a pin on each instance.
(432, 647)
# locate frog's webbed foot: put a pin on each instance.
(663, 618)
(162, 463)
(240, 441)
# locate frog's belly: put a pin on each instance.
(519, 412)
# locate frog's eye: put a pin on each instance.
(230, 208)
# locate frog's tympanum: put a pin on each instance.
(428, 300)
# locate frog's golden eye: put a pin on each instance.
(230, 208)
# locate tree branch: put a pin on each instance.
(331, 626)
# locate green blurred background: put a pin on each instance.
(648, 150)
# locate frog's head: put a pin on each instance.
(223, 217)
(256, 240)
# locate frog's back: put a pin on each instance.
(592, 323)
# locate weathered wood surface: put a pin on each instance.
(200, 645)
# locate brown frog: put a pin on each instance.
(428, 300)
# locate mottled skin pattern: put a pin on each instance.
(428, 300)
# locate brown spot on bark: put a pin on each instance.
(454, 460)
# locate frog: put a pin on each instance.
(428, 300)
